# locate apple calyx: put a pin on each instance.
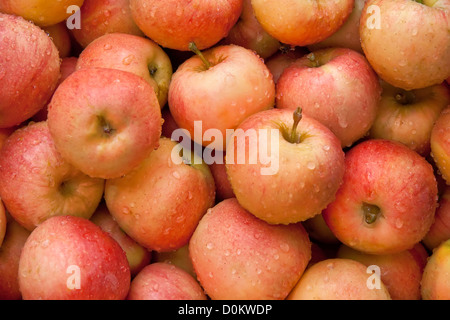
(371, 213)
(314, 62)
(105, 127)
(291, 135)
(66, 188)
(405, 97)
(193, 47)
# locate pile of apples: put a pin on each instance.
(106, 129)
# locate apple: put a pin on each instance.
(5, 133)
(319, 231)
(440, 144)
(387, 201)
(347, 36)
(224, 189)
(337, 279)
(163, 281)
(10, 250)
(248, 33)
(283, 59)
(42, 13)
(396, 40)
(440, 229)
(71, 258)
(435, 284)
(59, 33)
(131, 53)
(100, 17)
(240, 257)
(160, 203)
(3, 222)
(179, 258)
(37, 183)
(112, 128)
(401, 272)
(409, 116)
(304, 172)
(175, 23)
(27, 84)
(301, 23)
(138, 257)
(335, 86)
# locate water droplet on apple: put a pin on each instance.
(311, 165)
(284, 247)
(176, 175)
(209, 246)
(107, 46)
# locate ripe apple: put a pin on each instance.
(440, 144)
(346, 36)
(301, 23)
(435, 283)
(387, 201)
(59, 33)
(160, 203)
(223, 185)
(42, 13)
(283, 59)
(238, 256)
(10, 250)
(220, 87)
(409, 116)
(5, 133)
(401, 272)
(337, 279)
(179, 258)
(248, 33)
(175, 23)
(3, 222)
(131, 53)
(304, 172)
(396, 40)
(100, 17)
(319, 231)
(138, 257)
(37, 183)
(104, 121)
(163, 281)
(335, 86)
(71, 258)
(27, 83)
(440, 230)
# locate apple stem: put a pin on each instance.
(312, 58)
(406, 97)
(193, 47)
(297, 118)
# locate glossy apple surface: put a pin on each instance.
(440, 144)
(435, 279)
(440, 230)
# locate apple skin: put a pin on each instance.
(283, 59)
(337, 279)
(179, 22)
(59, 33)
(238, 256)
(319, 231)
(179, 258)
(389, 177)
(401, 273)
(3, 223)
(346, 36)
(10, 250)
(406, 62)
(27, 84)
(33, 172)
(42, 13)
(160, 203)
(435, 284)
(100, 17)
(342, 92)
(237, 85)
(440, 144)
(309, 173)
(248, 33)
(409, 116)
(138, 257)
(224, 190)
(163, 281)
(66, 241)
(131, 53)
(112, 129)
(301, 23)
(440, 230)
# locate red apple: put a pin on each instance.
(100, 17)
(5, 133)
(409, 116)
(37, 183)
(435, 284)
(163, 281)
(395, 37)
(220, 89)
(319, 231)
(138, 257)
(302, 172)
(29, 69)
(179, 258)
(160, 203)
(223, 185)
(387, 201)
(301, 23)
(112, 129)
(440, 144)
(440, 230)
(59, 33)
(337, 279)
(335, 86)
(283, 59)
(71, 258)
(175, 23)
(3, 222)
(238, 256)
